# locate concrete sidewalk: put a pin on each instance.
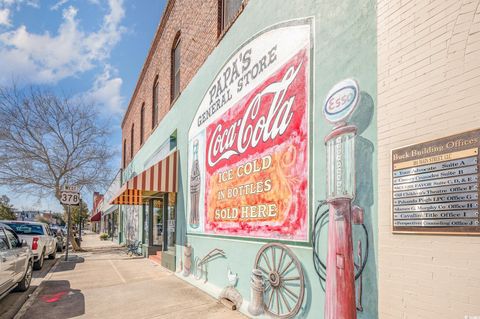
(105, 283)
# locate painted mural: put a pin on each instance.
(132, 220)
(249, 141)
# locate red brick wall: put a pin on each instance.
(197, 22)
(97, 198)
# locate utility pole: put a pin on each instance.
(80, 230)
(68, 231)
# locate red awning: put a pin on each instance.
(96, 217)
(159, 178)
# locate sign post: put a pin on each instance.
(68, 232)
(69, 196)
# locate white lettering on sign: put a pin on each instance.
(250, 129)
(70, 188)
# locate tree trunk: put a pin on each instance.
(75, 247)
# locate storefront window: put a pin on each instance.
(146, 217)
(157, 222)
(171, 221)
(115, 223)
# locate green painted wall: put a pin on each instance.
(344, 47)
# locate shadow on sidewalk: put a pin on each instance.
(113, 253)
(57, 300)
(70, 264)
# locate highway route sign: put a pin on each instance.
(70, 198)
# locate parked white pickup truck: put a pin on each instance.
(39, 237)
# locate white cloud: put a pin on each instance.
(105, 93)
(47, 58)
(18, 3)
(5, 17)
(57, 5)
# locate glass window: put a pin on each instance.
(3, 241)
(155, 103)
(115, 224)
(176, 69)
(26, 229)
(229, 10)
(171, 221)
(173, 140)
(131, 141)
(157, 222)
(14, 241)
(146, 218)
(142, 123)
(124, 153)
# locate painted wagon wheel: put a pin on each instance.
(284, 284)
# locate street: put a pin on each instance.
(12, 303)
(104, 282)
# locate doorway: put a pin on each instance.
(157, 213)
(160, 212)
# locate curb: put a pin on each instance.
(36, 292)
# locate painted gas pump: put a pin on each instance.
(341, 301)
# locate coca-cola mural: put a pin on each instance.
(248, 153)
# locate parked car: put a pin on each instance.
(16, 262)
(39, 238)
(57, 232)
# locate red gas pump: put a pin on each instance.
(340, 300)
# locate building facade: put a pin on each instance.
(111, 214)
(96, 213)
(185, 46)
(261, 164)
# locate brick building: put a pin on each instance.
(256, 133)
(96, 213)
(428, 88)
(157, 89)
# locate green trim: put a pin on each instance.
(256, 239)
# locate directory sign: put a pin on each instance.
(435, 185)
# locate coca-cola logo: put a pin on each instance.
(253, 128)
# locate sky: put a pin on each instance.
(93, 49)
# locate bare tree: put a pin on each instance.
(48, 141)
